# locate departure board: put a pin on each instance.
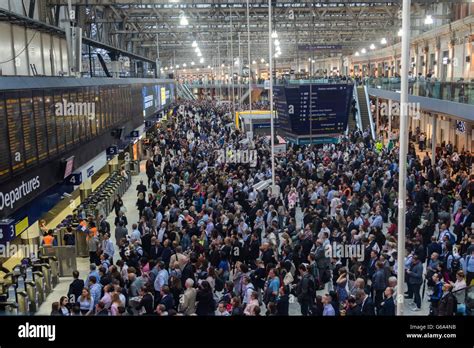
(93, 97)
(40, 125)
(50, 123)
(112, 106)
(4, 143)
(58, 107)
(314, 109)
(28, 124)
(103, 107)
(75, 112)
(67, 119)
(83, 96)
(12, 104)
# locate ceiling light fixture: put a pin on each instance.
(183, 21)
(274, 35)
(372, 47)
(194, 44)
(429, 20)
(363, 51)
(383, 41)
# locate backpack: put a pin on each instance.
(219, 285)
(311, 286)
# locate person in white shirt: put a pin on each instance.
(221, 310)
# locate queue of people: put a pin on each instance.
(210, 241)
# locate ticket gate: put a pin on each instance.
(8, 304)
(52, 261)
(40, 285)
(22, 297)
(31, 290)
(45, 269)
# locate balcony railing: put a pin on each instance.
(459, 92)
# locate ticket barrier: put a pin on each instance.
(52, 260)
(8, 303)
(63, 257)
(31, 290)
(22, 297)
(40, 284)
(45, 269)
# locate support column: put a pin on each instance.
(389, 130)
(377, 120)
(85, 189)
(434, 124)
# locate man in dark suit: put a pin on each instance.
(75, 288)
(366, 304)
(141, 188)
(387, 307)
(155, 248)
(121, 218)
(166, 299)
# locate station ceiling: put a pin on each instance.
(138, 25)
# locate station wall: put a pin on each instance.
(20, 48)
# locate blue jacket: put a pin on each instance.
(416, 275)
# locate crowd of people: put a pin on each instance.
(213, 239)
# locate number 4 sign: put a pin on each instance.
(74, 179)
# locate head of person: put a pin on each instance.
(63, 301)
(388, 292)
(221, 307)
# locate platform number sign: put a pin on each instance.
(134, 134)
(74, 179)
(112, 151)
(7, 230)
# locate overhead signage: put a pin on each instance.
(10, 198)
(74, 179)
(313, 109)
(112, 150)
(21, 225)
(90, 171)
(319, 47)
(7, 230)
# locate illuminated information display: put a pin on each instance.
(313, 109)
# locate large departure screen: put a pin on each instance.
(313, 109)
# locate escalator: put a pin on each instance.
(364, 110)
(184, 92)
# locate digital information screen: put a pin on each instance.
(15, 134)
(149, 100)
(40, 125)
(28, 124)
(322, 107)
(4, 148)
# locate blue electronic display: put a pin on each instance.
(324, 107)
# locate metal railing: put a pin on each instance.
(459, 92)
